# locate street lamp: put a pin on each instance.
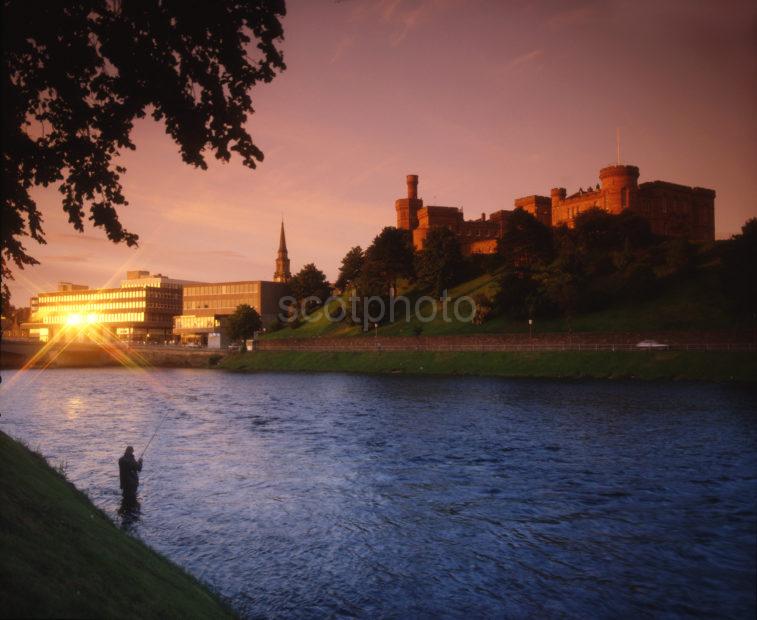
(530, 329)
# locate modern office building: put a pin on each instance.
(141, 309)
(206, 306)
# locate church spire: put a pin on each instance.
(282, 273)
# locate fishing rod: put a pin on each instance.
(157, 428)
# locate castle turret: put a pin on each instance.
(620, 185)
(282, 273)
(407, 208)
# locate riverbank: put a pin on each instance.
(648, 365)
(62, 557)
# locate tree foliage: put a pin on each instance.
(526, 241)
(739, 271)
(439, 265)
(388, 258)
(310, 282)
(243, 323)
(352, 267)
(78, 74)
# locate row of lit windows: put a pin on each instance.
(222, 289)
(219, 303)
(119, 317)
(195, 322)
(70, 309)
(90, 296)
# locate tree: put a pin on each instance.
(519, 294)
(352, 267)
(243, 323)
(388, 258)
(526, 242)
(76, 76)
(739, 269)
(440, 264)
(310, 282)
(561, 285)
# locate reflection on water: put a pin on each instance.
(333, 495)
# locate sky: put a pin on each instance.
(485, 100)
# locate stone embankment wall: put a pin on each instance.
(20, 354)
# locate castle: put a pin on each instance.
(672, 210)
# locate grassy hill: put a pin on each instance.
(693, 303)
(62, 557)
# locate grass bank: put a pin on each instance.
(62, 557)
(688, 365)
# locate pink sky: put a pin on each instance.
(485, 100)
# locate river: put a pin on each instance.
(328, 495)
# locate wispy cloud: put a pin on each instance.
(344, 44)
(574, 16)
(69, 258)
(526, 58)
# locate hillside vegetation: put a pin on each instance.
(695, 302)
(608, 273)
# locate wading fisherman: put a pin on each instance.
(129, 468)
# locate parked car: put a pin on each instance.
(652, 344)
(193, 345)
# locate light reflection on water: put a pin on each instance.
(336, 495)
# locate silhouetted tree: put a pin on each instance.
(526, 241)
(739, 272)
(310, 282)
(77, 74)
(388, 258)
(352, 267)
(440, 264)
(243, 323)
(519, 294)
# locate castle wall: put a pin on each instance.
(677, 210)
(565, 211)
(672, 210)
(538, 206)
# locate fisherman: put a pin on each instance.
(129, 468)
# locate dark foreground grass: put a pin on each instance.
(688, 365)
(61, 557)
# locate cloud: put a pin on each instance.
(403, 16)
(69, 258)
(524, 59)
(231, 254)
(80, 237)
(574, 17)
(345, 43)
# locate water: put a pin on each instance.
(355, 496)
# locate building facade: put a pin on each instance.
(672, 210)
(141, 309)
(205, 307)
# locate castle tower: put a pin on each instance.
(620, 185)
(407, 208)
(282, 273)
